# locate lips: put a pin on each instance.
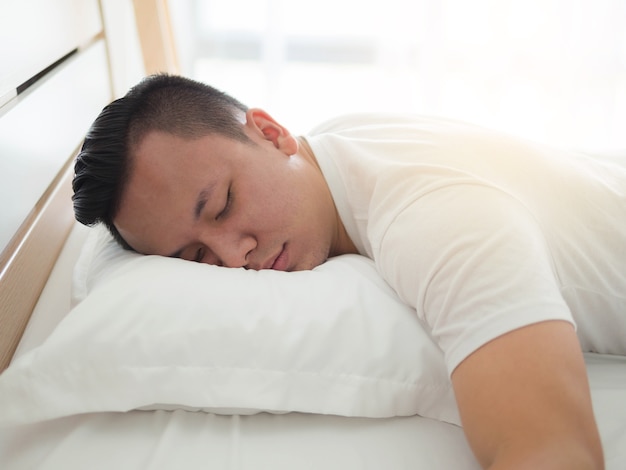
(281, 261)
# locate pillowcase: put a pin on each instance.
(151, 332)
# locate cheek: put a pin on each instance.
(291, 202)
(278, 207)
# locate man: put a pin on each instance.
(499, 245)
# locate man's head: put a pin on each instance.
(166, 103)
(176, 168)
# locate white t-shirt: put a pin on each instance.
(480, 232)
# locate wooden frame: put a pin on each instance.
(156, 36)
(28, 260)
(84, 57)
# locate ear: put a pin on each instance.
(263, 125)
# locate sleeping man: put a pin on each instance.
(513, 255)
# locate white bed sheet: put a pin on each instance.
(195, 440)
(190, 440)
(180, 439)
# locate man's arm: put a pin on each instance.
(525, 402)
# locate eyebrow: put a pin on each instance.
(201, 201)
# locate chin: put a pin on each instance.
(310, 264)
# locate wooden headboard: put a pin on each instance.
(65, 61)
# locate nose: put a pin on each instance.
(231, 247)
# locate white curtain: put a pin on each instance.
(549, 70)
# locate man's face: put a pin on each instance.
(220, 201)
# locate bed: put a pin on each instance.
(111, 359)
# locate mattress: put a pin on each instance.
(196, 440)
(180, 439)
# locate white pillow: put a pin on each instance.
(152, 332)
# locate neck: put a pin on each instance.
(305, 150)
(343, 244)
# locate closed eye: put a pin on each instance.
(227, 205)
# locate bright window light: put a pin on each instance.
(550, 70)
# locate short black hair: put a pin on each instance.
(161, 102)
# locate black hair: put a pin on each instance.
(168, 103)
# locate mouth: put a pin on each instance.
(281, 261)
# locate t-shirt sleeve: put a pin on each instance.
(474, 263)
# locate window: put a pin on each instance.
(550, 70)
